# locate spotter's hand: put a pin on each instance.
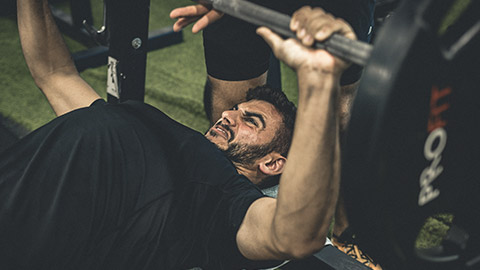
(203, 14)
(310, 25)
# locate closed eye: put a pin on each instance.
(253, 118)
(251, 121)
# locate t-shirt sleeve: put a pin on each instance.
(244, 194)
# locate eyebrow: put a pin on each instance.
(259, 116)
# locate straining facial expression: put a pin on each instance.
(245, 132)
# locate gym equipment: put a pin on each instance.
(122, 42)
(383, 10)
(327, 258)
(72, 24)
(412, 145)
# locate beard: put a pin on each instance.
(242, 153)
(247, 154)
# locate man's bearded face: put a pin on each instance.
(245, 133)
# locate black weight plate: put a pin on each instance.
(412, 146)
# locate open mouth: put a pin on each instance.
(223, 131)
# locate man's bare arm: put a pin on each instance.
(296, 224)
(49, 60)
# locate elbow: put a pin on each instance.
(45, 78)
(306, 249)
(42, 82)
(299, 249)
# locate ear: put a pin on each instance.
(272, 164)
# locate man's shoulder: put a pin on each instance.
(101, 115)
(186, 145)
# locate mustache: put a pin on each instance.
(226, 127)
(229, 130)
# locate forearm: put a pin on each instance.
(49, 60)
(310, 182)
(296, 224)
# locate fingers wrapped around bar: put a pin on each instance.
(310, 25)
(314, 24)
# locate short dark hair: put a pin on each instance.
(283, 137)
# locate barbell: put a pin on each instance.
(412, 149)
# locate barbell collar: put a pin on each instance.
(350, 50)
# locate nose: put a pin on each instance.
(230, 117)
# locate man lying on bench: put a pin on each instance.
(125, 187)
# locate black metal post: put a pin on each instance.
(127, 35)
(81, 10)
(98, 56)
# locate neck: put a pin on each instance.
(251, 173)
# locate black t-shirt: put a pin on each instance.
(119, 187)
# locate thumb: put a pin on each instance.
(273, 40)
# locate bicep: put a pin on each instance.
(254, 238)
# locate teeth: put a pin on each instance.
(221, 130)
